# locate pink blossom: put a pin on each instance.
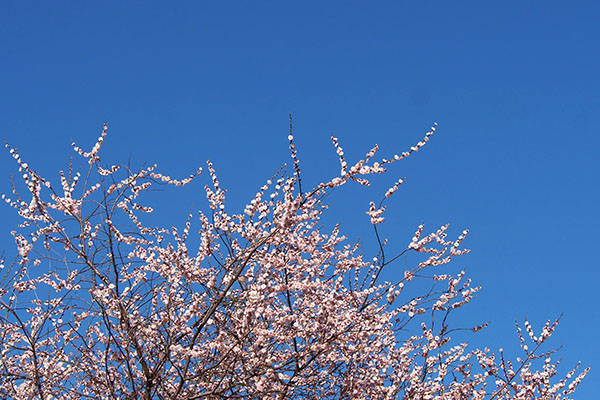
(261, 303)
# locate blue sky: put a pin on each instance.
(513, 86)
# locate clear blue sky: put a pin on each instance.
(514, 87)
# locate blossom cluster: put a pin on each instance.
(260, 304)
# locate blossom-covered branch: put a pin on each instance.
(259, 304)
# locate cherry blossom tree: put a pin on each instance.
(259, 304)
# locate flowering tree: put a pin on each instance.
(265, 305)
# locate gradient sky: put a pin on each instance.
(514, 88)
